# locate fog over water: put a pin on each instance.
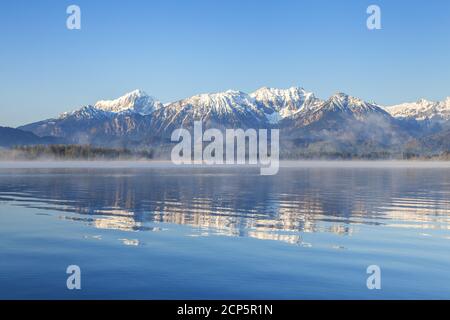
(169, 164)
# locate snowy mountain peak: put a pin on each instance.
(221, 102)
(343, 102)
(348, 99)
(228, 108)
(422, 110)
(136, 101)
(345, 98)
(339, 96)
(85, 112)
(273, 94)
(278, 104)
(268, 91)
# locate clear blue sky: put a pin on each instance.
(175, 49)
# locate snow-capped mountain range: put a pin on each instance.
(276, 104)
(337, 123)
(422, 110)
(272, 104)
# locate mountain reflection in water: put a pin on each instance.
(237, 202)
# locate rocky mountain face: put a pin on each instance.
(340, 124)
(345, 124)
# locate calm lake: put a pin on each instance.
(161, 232)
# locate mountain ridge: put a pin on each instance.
(422, 109)
(10, 137)
(341, 123)
(287, 102)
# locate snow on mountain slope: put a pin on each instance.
(137, 101)
(343, 102)
(220, 103)
(231, 108)
(422, 110)
(86, 112)
(339, 109)
(278, 104)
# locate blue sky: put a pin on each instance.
(175, 49)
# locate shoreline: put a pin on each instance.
(137, 164)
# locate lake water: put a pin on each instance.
(158, 232)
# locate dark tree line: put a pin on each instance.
(73, 152)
